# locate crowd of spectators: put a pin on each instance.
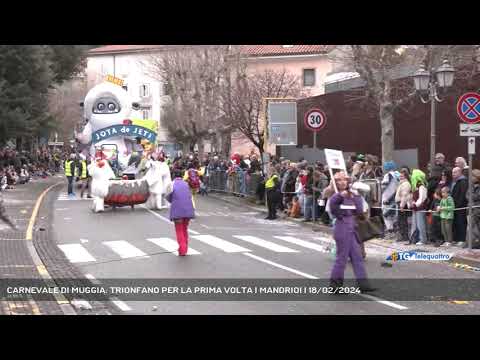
(416, 206)
(20, 167)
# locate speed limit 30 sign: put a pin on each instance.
(315, 120)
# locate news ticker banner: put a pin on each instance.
(238, 290)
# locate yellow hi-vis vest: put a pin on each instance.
(270, 182)
(84, 170)
(68, 169)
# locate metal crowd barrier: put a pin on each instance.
(238, 182)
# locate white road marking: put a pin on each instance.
(92, 279)
(83, 241)
(219, 213)
(384, 302)
(308, 276)
(121, 305)
(67, 218)
(303, 243)
(171, 245)
(205, 226)
(167, 220)
(124, 249)
(62, 209)
(76, 253)
(220, 243)
(266, 244)
(66, 197)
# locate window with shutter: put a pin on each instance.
(144, 90)
(308, 77)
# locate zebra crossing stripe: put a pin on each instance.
(220, 243)
(171, 245)
(121, 305)
(303, 243)
(264, 243)
(124, 249)
(66, 197)
(76, 253)
(280, 266)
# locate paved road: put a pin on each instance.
(231, 242)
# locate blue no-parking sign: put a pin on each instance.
(468, 108)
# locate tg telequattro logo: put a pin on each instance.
(418, 256)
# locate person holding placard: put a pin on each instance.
(344, 206)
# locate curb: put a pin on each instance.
(62, 271)
(464, 260)
(62, 302)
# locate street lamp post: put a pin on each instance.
(426, 82)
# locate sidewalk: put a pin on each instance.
(16, 261)
(37, 257)
(461, 258)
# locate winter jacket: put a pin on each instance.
(459, 192)
(290, 180)
(447, 206)
(419, 198)
(404, 194)
(255, 166)
(181, 201)
(476, 216)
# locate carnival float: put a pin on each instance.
(126, 167)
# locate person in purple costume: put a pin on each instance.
(181, 210)
(344, 206)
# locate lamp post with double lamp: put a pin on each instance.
(428, 83)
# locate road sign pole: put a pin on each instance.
(432, 130)
(470, 185)
(468, 110)
(313, 191)
(471, 151)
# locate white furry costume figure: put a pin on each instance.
(105, 105)
(101, 173)
(159, 183)
(389, 190)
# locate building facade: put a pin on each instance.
(310, 63)
(354, 127)
(128, 62)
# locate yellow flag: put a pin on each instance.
(146, 123)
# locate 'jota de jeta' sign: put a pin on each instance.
(124, 130)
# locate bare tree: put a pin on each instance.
(386, 71)
(64, 106)
(192, 76)
(243, 99)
